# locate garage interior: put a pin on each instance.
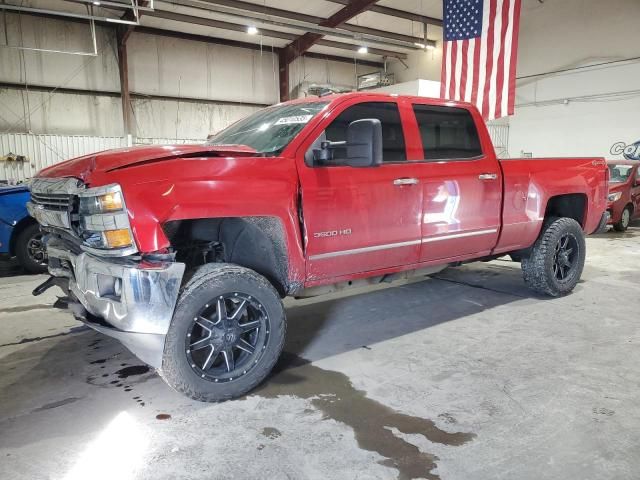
(464, 374)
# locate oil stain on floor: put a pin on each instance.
(334, 395)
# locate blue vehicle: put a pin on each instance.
(20, 234)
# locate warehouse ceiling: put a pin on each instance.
(386, 28)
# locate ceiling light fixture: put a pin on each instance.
(363, 50)
(96, 3)
(252, 30)
(431, 45)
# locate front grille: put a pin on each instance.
(52, 201)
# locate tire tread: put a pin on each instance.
(217, 274)
(534, 269)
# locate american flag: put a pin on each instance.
(480, 53)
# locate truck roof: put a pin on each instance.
(335, 97)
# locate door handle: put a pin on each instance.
(488, 176)
(405, 181)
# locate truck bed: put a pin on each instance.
(529, 185)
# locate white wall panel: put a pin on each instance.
(176, 67)
(579, 112)
(305, 71)
(57, 69)
(193, 120)
(423, 64)
(59, 113)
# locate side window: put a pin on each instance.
(393, 149)
(447, 133)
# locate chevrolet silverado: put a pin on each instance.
(184, 253)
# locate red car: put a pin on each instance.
(624, 193)
(184, 252)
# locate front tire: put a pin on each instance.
(226, 334)
(30, 249)
(625, 220)
(557, 258)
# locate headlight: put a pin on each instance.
(103, 221)
(614, 197)
(107, 202)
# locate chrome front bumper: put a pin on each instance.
(132, 301)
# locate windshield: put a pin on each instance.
(619, 173)
(270, 130)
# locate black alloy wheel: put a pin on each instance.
(226, 334)
(36, 249)
(227, 337)
(555, 262)
(567, 251)
(31, 250)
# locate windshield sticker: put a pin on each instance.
(294, 119)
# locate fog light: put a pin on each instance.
(117, 287)
(118, 238)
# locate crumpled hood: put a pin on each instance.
(120, 158)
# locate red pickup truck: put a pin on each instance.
(184, 252)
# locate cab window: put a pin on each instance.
(447, 133)
(393, 145)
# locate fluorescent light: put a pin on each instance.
(431, 44)
(363, 50)
(96, 3)
(252, 30)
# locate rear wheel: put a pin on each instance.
(226, 334)
(625, 220)
(557, 258)
(30, 249)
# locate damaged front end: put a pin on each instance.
(93, 259)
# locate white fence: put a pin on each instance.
(42, 151)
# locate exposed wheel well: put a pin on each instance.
(572, 205)
(257, 243)
(17, 230)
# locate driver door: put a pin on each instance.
(361, 219)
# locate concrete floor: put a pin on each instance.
(466, 376)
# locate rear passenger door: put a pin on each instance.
(461, 183)
(360, 219)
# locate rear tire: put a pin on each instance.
(30, 250)
(212, 357)
(625, 220)
(557, 258)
